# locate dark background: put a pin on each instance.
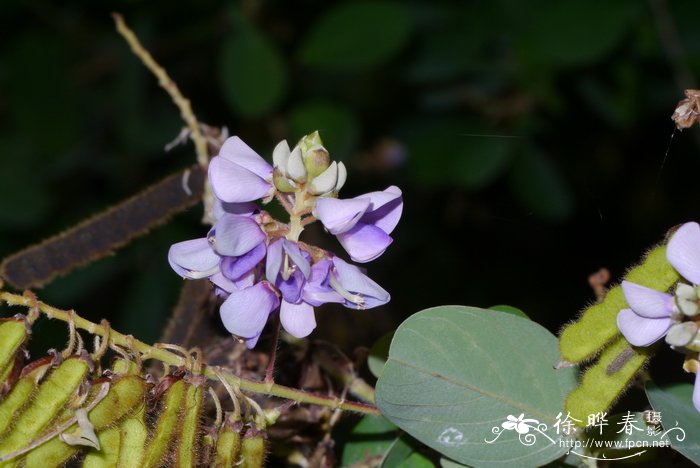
(529, 138)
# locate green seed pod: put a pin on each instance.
(21, 393)
(55, 391)
(126, 395)
(597, 325)
(604, 381)
(134, 434)
(108, 455)
(253, 449)
(187, 449)
(228, 444)
(168, 425)
(13, 334)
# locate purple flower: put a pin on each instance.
(245, 311)
(362, 224)
(653, 314)
(239, 174)
(357, 289)
(649, 318)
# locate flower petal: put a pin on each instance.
(340, 215)
(292, 287)
(236, 151)
(364, 242)
(280, 156)
(683, 251)
(234, 184)
(274, 261)
(193, 259)
(220, 208)
(647, 302)
(245, 312)
(297, 257)
(297, 319)
(236, 235)
(235, 267)
(356, 282)
(385, 209)
(696, 392)
(641, 331)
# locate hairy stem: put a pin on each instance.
(167, 357)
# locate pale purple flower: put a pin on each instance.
(357, 289)
(245, 311)
(655, 314)
(362, 224)
(239, 174)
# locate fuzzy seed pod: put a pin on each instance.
(187, 449)
(228, 445)
(253, 449)
(174, 390)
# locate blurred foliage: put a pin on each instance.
(528, 137)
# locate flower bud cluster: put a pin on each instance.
(259, 265)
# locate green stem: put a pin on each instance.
(167, 357)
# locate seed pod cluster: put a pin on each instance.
(61, 409)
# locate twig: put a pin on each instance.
(167, 357)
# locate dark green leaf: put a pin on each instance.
(540, 187)
(455, 373)
(357, 35)
(403, 453)
(371, 438)
(378, 354)
(675, 403)
(510, 310)
(252, 76)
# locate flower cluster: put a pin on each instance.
(654, 314)
(259, 265)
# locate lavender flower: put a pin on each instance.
(654, 314)
(258, 264)
(362, 224)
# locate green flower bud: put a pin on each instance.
(282, 183)
(295, 166)
(316, 160)
(681, 334)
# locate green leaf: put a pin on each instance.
(446, 153)
(510, 310)
(338, 127)
(574, 32)
(357, 35)
(372, 437)
(540, 186)
(404, 453)
(675, 403)
(378, 354)
(252, 76)
(455, 373)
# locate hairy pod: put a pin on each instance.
(47, 403)
(126, 395)
(22, 392)
(13, 334)
(605, 380)
(134, 434)
(187, 449)
(597, 325)
(108, 455)
(253, 449)
(228, 444)
(168, 425)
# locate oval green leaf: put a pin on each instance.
(357, 35)
(675, 403)
(455, 374)
(378, 354)
(252, 75)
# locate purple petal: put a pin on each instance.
(647, 302)
(274, 261)
(683, 252)
(245, 312)
(193, 259)
(641, 331)
(223, 283)
(696, 392)
(233, 183)
(235, 267)
(244, 209)
(237, 235)
(292, 287)
(318, 296)
(340, 215)
(356, 282)
(297, 319)
(251, 342)
(236, 151)
(364, 242)
(385, 209)
(295, 254)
